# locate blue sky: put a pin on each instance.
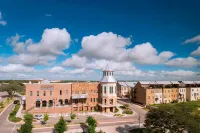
(140, 40)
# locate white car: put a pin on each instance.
(38, 117)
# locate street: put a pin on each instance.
(6, 126)
(116, 123)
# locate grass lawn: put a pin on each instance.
(12, 117)
(195, 105)
(6, 102)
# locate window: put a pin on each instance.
(97, 99)
(148, 97)
(83, 91)
(50, 93)
(91, 99)
(90, 91)
(31, 93)
(104, 89)
(192, 89)
(111, 89)
(76, 92)
(60, 92)
(94, 99)
(38, 93)
(44, 93)
(66, 92)
(66, 101)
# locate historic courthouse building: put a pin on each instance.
(45, 97)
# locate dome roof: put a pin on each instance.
(108, 79)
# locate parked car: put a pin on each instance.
(16, 102)
(38, 117)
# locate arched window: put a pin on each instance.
(37, 104)
(50, 103)
(44, 103)
(66, 101)
(60, 102)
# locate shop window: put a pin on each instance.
(66, 101)
(37, 104)
(44, 103)
(50, 103)
(60, 101)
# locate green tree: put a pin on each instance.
(46, 118)
(28, 118)
(61, 126)
(92, 123)
(27, 126)
(173, 119)
(12, 87)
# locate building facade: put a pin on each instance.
(124, 89)
(43, 96)
(46, 97)
(108, 91)
(84, 96)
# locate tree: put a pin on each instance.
(27, 126)
(174, 119)
(12, 87)
(28, 118)
(46, 118)
(61, 126)
(92, 123)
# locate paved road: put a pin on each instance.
(100, 126)
(138, 109)
(5, 126)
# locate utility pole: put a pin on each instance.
(139, 119)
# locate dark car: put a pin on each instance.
(16, 102)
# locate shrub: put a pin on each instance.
(128, 111)
(26, 128)
(72, 116)
(12, 117)
(91, 121)
(116, 110)
(126, 105)
(174, 101)
(122, 107)
(117, 115)
(46, 118)
(1, 105)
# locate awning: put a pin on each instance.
(79, 96)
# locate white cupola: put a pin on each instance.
(108, 76)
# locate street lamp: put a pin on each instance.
(139, 119)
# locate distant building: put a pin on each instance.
(124, 89)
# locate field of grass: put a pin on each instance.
(6, 102)
(194, 105)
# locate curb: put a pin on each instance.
(5, 109)
(80, 124)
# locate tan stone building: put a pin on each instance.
(155, 92)
(124, 89)
(192, 90)
(84, 96)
